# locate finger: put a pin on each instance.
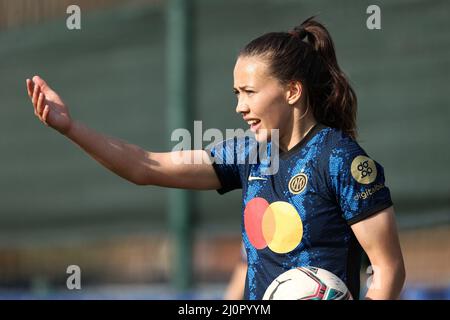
(35, 95)
(41, 83)
(32, 101)
(30, 87)
(39, 107)
(45, 114)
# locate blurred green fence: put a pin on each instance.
(112, 75)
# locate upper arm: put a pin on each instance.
(357, 182)
(378, 237)
(219, 167)
(191, 169)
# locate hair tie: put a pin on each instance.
(299, 33)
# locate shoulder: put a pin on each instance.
(238, 143)
(337, 144)
(235, 149)
(341, 153)
(347, 160)
(337, 141)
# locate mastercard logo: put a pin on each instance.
(276, 225)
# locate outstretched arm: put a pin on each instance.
(379, 238)
(124, 159)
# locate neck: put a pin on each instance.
(297, 129)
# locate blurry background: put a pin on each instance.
(58, 207)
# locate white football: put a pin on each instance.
(307, 283)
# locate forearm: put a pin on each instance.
(387, 283)
(124, 159)
(120, 157)
(378, 237)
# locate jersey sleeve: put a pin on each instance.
(357, 181)
(226, 158)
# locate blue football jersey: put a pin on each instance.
(301, 215)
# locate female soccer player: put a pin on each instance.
(326, 202)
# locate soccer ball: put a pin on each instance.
(307, 283)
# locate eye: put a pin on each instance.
(249, 92)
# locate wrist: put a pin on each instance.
(70, 132)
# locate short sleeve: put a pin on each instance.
(243, 253)
(357, 181)
(226, 162)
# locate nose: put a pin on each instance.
(242, 107)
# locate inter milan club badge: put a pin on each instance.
(297, 184)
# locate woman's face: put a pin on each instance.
(261, 98)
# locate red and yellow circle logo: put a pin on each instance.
(276, 225)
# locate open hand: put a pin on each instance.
(48, 106)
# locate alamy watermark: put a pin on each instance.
(73, 281)
(236, 147)
(373, 22)
(73, 22)
(374, 279)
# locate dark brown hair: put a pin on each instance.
(307, 54)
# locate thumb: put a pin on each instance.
(42, 84)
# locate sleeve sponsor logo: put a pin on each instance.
(368, 192)
(364, 170)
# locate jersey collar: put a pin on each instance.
(317, 127)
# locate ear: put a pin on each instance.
(294, 92)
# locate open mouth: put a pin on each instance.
(254, 124)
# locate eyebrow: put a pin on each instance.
(244, 87)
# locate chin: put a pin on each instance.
(263, 135)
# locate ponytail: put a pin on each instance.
(307, 54)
